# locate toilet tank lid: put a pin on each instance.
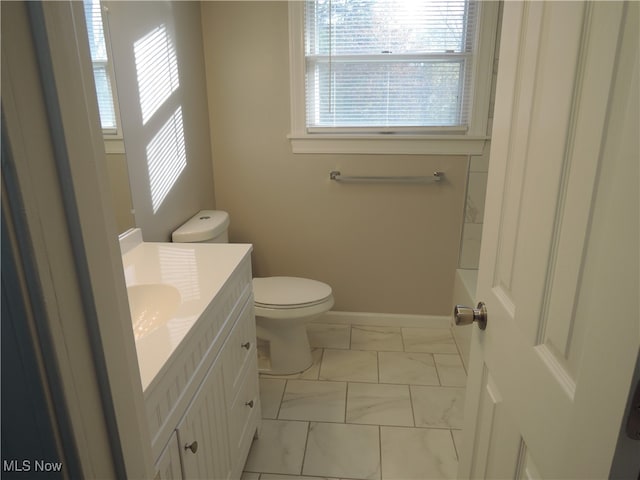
(204, 225)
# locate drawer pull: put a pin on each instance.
(249, 404)
(246, 345)
(193, 446)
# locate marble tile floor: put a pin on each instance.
(379, 403)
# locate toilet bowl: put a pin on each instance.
(283, 305)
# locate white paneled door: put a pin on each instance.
(550, 376)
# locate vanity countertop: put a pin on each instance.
(197, 270)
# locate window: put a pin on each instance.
(420, 70)
(102, 70)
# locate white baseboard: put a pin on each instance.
(385, 319)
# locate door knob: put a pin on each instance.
(467, 315)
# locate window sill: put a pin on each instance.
(113, 145)
(388, 144)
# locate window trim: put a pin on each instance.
(433, 141)
(113, 140)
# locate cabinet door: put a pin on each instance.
(168, 465)
(202, 432)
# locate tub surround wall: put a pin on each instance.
(382, 248)
(474, 211)
(477, 180)
(464, 293)
(192, 188)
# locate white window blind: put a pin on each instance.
(388, 64)
(100, 60)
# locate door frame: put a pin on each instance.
(67, 237)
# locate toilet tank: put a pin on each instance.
(206, 226)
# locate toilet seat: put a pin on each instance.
(275, 293)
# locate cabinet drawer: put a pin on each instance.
(244, 412)
(239, 350)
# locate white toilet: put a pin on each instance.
(283, 305)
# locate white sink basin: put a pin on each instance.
(152, 306)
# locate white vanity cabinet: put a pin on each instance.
(203, 407)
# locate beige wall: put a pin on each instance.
(193, 188)
(120, 197)
(383, 248)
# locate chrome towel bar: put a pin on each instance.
(338, 177)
